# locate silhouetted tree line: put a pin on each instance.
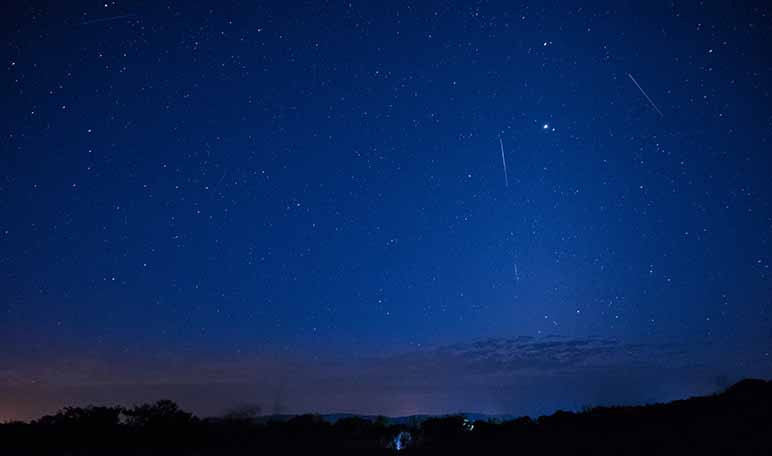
(736, 421)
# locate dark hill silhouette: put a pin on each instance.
(735, 421)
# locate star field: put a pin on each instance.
(311, 184)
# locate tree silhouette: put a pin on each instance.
(91, 417)
(164, 413)
(736, 421)
(244, 412)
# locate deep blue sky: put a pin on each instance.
(227, 200)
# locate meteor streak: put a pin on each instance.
(504, 162)
(107, 19)
(644, 94)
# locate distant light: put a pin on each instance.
(545, 126)
(401, 440)
(468, 425)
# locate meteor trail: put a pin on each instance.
(504, 162)
(107, 19)
(224, 173)
(644, 94)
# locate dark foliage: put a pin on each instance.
(737, 421)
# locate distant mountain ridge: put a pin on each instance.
(747, 389)
(406, 420)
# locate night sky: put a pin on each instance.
(304, 206)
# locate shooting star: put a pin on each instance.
(224, 173)
(645, 95)
(504, 162)
(107, 19)
(517, 276)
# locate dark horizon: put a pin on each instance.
(387, 209)
(733, 421)
(256, 414)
